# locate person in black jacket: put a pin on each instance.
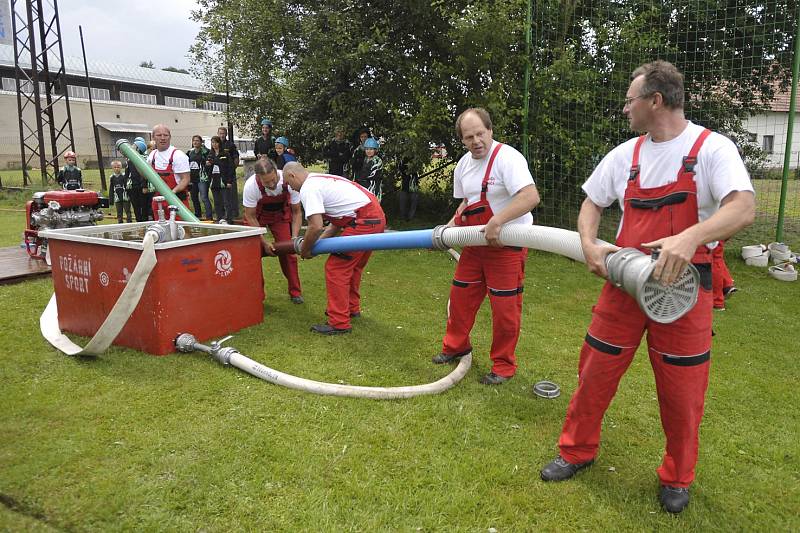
(199, 180)
(220, 168)
(118, 188)
(138, 186)
(265, 145)
(337, 152)
(228, 147)
(357, 160)
(70, 176)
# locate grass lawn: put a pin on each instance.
(130, 441)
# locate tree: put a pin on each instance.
(147, 64)
(407, 69)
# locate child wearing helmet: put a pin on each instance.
(370, 175)
(70, 176)
(282, 155)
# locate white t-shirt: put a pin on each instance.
(334, 197)
(180, 161)
(251, 194)
(719, 170)
(509, 174)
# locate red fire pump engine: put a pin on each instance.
(59, 209)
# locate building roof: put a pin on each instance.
(73, 66)
(781, 101)
(123, 127)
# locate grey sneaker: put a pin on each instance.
(297, 300)
(560, 470)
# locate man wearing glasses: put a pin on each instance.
(681, 188)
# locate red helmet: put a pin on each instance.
(71, 154)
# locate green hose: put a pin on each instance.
(155, 180)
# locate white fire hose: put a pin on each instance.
(230, 356)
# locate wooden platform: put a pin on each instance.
(15, 266)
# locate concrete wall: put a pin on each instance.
(182, 122)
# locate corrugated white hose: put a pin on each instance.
(230, 356)
(554, 240)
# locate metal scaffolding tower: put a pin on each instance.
(41, 85)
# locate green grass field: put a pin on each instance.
(129, 441)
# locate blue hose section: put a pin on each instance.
(395, 240)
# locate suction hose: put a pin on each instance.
(230, 356)
(152, 176)
(629, 269)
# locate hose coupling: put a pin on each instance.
(436, 238)
(298, 244)
(185, 342)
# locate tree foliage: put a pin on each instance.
(406, 69)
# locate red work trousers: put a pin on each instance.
(679, 354)
(501, 273)
(282, 231)
(343, 278)
(720, 275)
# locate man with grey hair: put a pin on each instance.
(681, 189)
(171, 164)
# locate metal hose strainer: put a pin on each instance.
(632, 270)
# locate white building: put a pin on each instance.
(128, 102)
(768, 132)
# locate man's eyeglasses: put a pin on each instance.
(630, 99)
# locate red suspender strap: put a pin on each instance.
(260, 186)
(171, 156)
(635, 163)
(691, 160)
(485, 182)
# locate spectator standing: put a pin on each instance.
(120, 187)
(70, 176)
(357, 159)
(219, 168)
(282, 155)
(228, 147)
(265, 145)
(138, 185)
(370, 175)
(199, 179)
(337, 152)
(408, 196)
